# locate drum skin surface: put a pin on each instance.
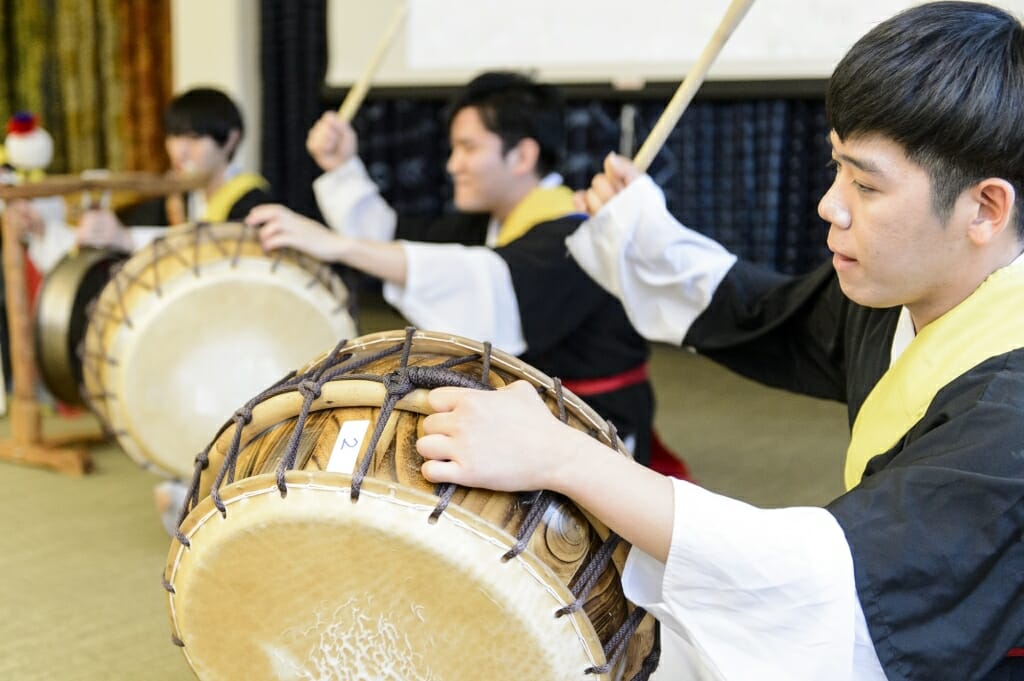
(191, 326)
(313, 548)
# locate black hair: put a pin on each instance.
(514, 107)
(945, 81)
(204, 112)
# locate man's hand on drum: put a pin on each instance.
(504, 440)
(102, 229)
(507, 440)
(284, 228)
(619, 171)
(331, 141)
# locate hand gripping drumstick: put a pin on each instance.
(355, 95)
(688, 88)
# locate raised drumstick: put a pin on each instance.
(355, 95)
(688, 88)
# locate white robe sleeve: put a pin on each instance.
(664, 273)
(752, 594)
(351, 203)
(46, 249)
(465, 290)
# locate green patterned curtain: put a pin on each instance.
(97, 72)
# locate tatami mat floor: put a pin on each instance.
(81, 558)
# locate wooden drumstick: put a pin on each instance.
(355, 95)
(688, 88)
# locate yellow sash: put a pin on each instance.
(223, 200)
(540, 205)
(987, 324)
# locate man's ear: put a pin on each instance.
(524, 156)
(231, 144)
(994, 200)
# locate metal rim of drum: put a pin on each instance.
(62, 302)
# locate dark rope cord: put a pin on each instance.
(444, 494)
(650, 662)
(310, 390)
(560, 400)
(485, 361)
(168, 587)
(241, 418)
(542, 501)
(121, 304)
(616, 645)
(591, 573)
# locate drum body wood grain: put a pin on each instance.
(192, 325)
(313, 548)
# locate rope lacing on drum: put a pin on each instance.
(310, 389)
(398, 384)
(539, 506)
(616, 645)
(121, 304)
(588, 578)
(650, 662)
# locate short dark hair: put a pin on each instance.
(514, 107)
(204, 112)
(945, 81)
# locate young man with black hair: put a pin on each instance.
(521, 291)
(917, 571)
(203, 129)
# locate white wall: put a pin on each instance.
(624, 41)
(216, 43)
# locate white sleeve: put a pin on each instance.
(47, 249)
(58, 237)
(351, 203)
(664, 273)
(465, 290)
(756, 594)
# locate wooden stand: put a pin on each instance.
(27, 445)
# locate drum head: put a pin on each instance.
(193, 325)
(314, 586)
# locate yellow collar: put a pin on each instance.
(985, 325)
(540, 205)
(219, 205)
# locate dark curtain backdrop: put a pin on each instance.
(746, 172)
(293, 61)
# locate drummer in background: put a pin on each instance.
(203, 129)
(520, 291)
(917, 571)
